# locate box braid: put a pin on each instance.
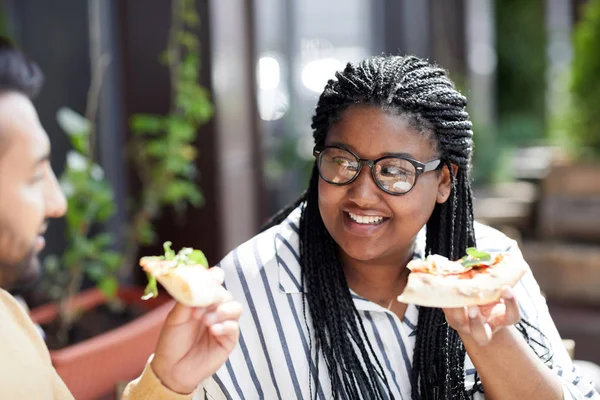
(424, 94)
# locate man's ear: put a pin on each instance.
(445, 183)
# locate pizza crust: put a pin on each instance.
(452, 291)
(191, 285)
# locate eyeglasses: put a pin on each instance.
(393, 174)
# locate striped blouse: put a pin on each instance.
(272, 358)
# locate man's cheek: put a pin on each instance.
(13, 247)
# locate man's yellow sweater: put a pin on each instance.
(26, 371)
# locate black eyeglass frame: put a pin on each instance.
(420, 168)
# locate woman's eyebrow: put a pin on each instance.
(402, 155)
(386, 154)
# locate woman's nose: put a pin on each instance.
(364, 191)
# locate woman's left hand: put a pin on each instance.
(480, 323)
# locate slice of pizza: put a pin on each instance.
(476, 279)
(184, 275)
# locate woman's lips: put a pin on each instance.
(369, 226)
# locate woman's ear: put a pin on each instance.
(445, 183)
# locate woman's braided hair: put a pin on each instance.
(423, 92)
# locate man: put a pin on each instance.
(194, 342)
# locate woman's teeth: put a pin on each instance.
(365, 219)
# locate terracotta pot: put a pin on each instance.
(91, 369)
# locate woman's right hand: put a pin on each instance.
(195, 342)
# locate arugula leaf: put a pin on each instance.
(198, 257)
(169, 254)
(151, 290)
(188, 256)
(185, 256)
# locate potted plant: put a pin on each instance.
(83, 329)
(125, 327)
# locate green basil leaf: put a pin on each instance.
(478, 254)
(470, 263)
(475, 258)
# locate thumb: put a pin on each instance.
(218, 274)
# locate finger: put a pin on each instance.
(218, 274)
(211, 308)
(457, 319)
(226, 311)
(480, 331)
(200, 312)
(512, 314)
(226, 333)
(179, 314)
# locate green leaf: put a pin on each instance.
(77, 164)
(176, 165)
(191, 18)
(481, 255)
(156, 148)
(169, 253)
(475, 257)
(81, 144)
(147, 123)
(109, 286)
(198, 257)
(180, 190)
(151, 290)
(111, 259)
(96, 272)
(72, 122)
(188, 40)
(181, 130)
(102, 240)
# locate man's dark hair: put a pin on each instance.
(17, 72)
(424, 94)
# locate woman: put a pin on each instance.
(391, 182)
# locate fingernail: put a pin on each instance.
(508, 294)
(210, 318)
(488, 331)
(473, 312)
(217, 329)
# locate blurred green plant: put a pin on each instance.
(89, 252)
(163, 154)
(90, 200)
(162, 147)
(585, 82)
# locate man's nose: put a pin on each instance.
(56, 203)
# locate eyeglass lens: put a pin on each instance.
(394, 175)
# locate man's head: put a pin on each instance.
(29, 191)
